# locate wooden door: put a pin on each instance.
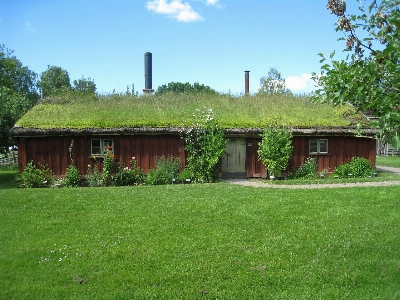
(234, 158)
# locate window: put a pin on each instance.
(99, 146)
(318, 146)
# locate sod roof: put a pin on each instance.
(77, 114)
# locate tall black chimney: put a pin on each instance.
(148, 89)
(246, 82)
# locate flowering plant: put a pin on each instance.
(128, 175)
(109, 166)
(205, 144)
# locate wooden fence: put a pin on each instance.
(386, 149)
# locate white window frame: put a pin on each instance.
(318, 144)
(103, 143)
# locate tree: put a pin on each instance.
(275, 149)
(273, 83)
(369, 77)
(179, 87)
(17, 93)
(53, 80)
(84, 85)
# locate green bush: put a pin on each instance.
(72, 176)
(205, 144)
(342, 171)
(128, 175)
(360, 167)
(357, 167)
(187, 173)
(308, 170)
(275, 149)
(35, 177)
(166, 170)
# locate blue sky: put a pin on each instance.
(207, 41)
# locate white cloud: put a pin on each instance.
(29, 27)
(182, 12)
(294, 83)
(211, 2)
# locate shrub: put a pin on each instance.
(205, 144)
(166, 170)
(186, 174)
(360, 167)
(128, 176)
(94, 178)
(35, 177)
(275, 149)
(308, 170)
(72, 176)
(342, 171)
(357, 167)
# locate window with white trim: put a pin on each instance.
(318, 146)
(99, 146)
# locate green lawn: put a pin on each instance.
(390, 161)
(7, 178)
(208, 241)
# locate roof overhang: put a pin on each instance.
(17, 132)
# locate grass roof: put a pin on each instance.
(116, 111)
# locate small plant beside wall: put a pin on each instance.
(132, 175)
(167, 170)
(308, 170)
(36, 177)
(275, 149)
(72, 176)
(94, 177)
(109, 166)
(358, 167)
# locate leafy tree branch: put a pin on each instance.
(369, 77)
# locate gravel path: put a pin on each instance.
(260, 183)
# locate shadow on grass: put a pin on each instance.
(7, 179)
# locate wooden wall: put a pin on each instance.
(54, 151)
(340, 151)
(146, 148)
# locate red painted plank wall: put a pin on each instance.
(340, 151)
(54, 151)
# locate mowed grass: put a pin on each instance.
(208, 241)
(8, 178)
(390, 161)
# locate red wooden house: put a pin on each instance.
(58, 148)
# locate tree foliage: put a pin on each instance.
(17, 93)
(53, 80)
(369, 77)
(84, 85)
(179, 87)
(273, 83)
